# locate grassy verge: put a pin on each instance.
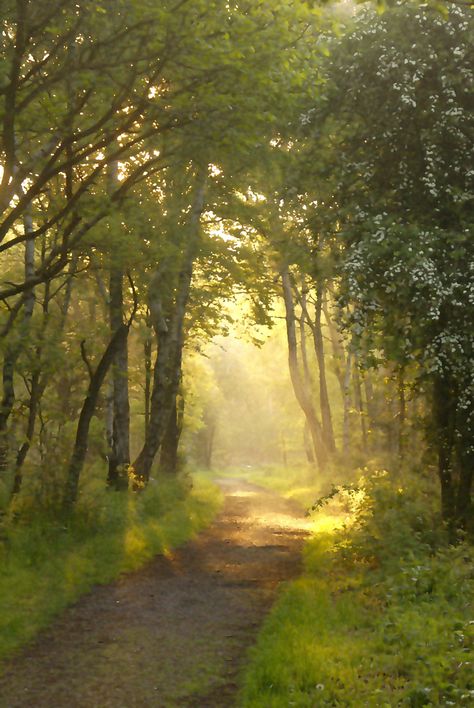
(45, 566)
(382, 616)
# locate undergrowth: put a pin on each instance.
(382, 615)
(48, 563)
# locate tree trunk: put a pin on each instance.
(13, 350)
(401, 412)
(205, 440)
(109, 417)
(326, 417)
(308, 445)
(82, 434)
(38, 386)
(464, 514)
(209, 445)
(360, 405)
(370, 400)
(119, 456)
(170, 337)
(339, 356)
(169, 446)
(302, 395)
(465, 465)
(347, 405)
(39, 381)
(147, 351)
(443, 414)
(165, 386)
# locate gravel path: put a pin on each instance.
(176, 633)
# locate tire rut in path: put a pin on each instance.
(175, 633)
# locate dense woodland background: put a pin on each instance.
(162, 161)
(195, 193)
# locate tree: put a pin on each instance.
(116, 118)
(398, 177)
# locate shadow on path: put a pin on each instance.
(176, 633)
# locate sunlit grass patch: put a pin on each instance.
(381, 617)
(45, 565)
(311, 644)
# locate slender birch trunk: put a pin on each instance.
(346, 432)
(326, 416)
(359, 404)
(338, 353)
(302, 395)
(147, 352)
(308, 445)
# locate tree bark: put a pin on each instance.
(370, 400)
(88, 408)
(147, 351)
(326, 416)
(170, 339)
(38, 386)
(360, 405)
(119, 457)
(443, 414)
(402, 413)
(170, 444)
(338, 354)
(307, 440)
(465, 465)
(205, 440)
(119, 454)
(308, 445)
(39, 380)
(302, 395)
(14, 349)
(209, 445)
(464, 513)
(346, 432)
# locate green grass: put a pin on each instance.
(310, 644)
(382, 616)
(45, 566)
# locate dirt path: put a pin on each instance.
(175, 633)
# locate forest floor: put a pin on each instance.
(176, 633)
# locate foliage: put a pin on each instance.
(404, 184)
(108, 112)
(394, 173)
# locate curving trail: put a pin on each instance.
(176, 633)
